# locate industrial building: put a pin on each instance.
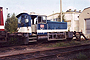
(53, 17)
(84, 22)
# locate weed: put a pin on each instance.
(62, 44)
(74, 42)
(65, 44)
(81, 56)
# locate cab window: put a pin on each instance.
(19, 20)
(42, 19)
(26, 19)
(39, 19)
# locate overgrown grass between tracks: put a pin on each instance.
(81, 56)
(65, 44)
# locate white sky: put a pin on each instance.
(45, 7)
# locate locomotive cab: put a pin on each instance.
(31, 23)
(24, 23)
(37, 20)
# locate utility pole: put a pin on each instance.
(61, 9)
(53, 15)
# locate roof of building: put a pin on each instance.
(87, 8)
(67, 12)
(74, 11)
(53, 14)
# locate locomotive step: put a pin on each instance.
(56, 39)
(32, 38)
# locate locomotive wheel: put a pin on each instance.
(25, 40)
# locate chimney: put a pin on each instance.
(79, 11)
(69, 9)
(75, 10)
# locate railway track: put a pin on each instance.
(44, 53)
(2, 45)
(44, 57)
(32, 45)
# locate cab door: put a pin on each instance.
(34, 24)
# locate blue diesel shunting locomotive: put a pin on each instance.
(39, 25)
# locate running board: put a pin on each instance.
(56, 39)
(32, 40)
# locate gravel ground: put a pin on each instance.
(48, 45)
(72, 56)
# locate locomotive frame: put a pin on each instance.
(37, 27)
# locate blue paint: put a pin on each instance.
(50, 25)
(23, 17)
(41, 33)
(56, 25)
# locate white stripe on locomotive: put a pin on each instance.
(45, 31)
(24, 29)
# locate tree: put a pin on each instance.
(11, 23)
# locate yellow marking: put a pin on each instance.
(1, 9)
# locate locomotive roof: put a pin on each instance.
(21, 14)
(28, 14)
